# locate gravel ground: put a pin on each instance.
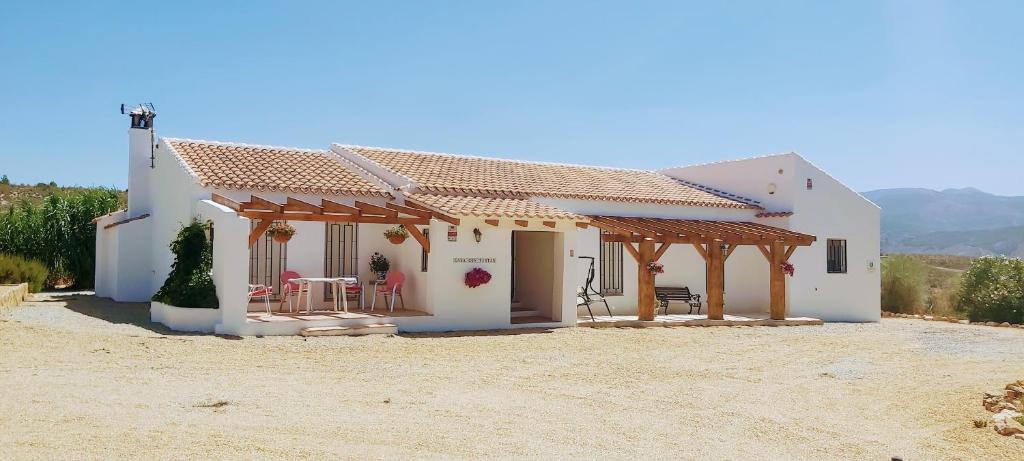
(85, 378)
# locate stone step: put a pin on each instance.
(356, 330)
(525, 313)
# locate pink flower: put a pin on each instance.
(477, 277)
(655, 268)
(788, 269)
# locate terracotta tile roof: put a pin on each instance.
(272, 169)
(774, 214)
(490, 207)
(465, 175)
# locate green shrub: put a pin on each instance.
(992, 290)
(15, 269)
(59, 233)
(189, 283)
(903, 284)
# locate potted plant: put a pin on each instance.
(655, 268)
(281, 231)
(396, 234)
(379, 265)
(788, 268)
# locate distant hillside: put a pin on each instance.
(13, 194)
(965, 222)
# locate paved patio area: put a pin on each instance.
(352, 314)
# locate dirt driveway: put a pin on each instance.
(83, 377)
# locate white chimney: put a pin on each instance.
(140, 158)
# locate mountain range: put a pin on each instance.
(965, 222)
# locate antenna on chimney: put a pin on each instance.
(142, 115)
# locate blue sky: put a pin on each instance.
(881, 94)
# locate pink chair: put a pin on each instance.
(392, 287)
(288, 287)
(260, 291)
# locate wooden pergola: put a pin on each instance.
(714, 241)
(265, 212)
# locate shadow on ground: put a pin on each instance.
(111, 311)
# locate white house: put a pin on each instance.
(723, 230)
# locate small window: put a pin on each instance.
(424, 256)
(611, 268)
(836, 249)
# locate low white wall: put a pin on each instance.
(183, 318)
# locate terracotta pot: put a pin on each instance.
(396, 239)
(281, 238)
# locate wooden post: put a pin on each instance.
(716, 281)
(777, 282)
(645, 281)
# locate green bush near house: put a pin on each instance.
(190, 283)
(903, 284)
(15, 269)
(992, 290)
(59, 232)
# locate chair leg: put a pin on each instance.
(401, 298)
(592, 319)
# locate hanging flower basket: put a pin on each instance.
(788, 269)
(396, 234)
(655, 268)
(477, 277)
(281, 232)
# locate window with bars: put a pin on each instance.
(267, 259)
(611, 268)
(836, 254)
(340, 255)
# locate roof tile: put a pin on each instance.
(272, 169)
(489, 207)
(465, 175)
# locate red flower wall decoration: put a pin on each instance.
(788, 269)
(477, 277)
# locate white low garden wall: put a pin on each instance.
(184, 318)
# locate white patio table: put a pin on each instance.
(306, 284)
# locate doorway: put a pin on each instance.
(533, 277)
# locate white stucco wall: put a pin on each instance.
(831, 210)
(828, 210)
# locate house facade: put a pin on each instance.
(536, 228)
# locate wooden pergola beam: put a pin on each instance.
(220, 199)
(418, 235)
(406, 210)
(369, 209)
(260, 203)
(335, 207)
(256, 232)
(433, 213)
(631, 250)
(661, 251)
(333, 218)
(294, 204)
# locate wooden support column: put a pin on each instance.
(255, 234)
(777, 281)
(716, 281)
(645, 281)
